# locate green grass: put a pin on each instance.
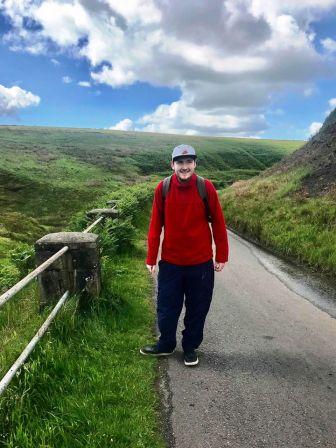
(86, 383)
(16, 332)
(47, 175)
(74, 156)
(272, 211)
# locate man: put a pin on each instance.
(186, 267)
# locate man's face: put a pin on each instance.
(184, 168)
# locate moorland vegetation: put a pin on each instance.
(85, 384)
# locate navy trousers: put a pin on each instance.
(195, 283)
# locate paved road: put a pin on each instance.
(267, 372)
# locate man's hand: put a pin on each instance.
(219, 266)
(151, 268)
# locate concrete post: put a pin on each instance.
(106, 212)
(78, 268)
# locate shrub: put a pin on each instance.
(9, 275)
(117, 236)
(23, 258)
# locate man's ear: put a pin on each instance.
(172, 165)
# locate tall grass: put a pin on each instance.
(274, 211)
(86, 384)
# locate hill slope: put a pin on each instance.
(291, 206)
(319, 155)
(47, 174)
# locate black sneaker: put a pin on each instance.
(190, 358)
(153, 350)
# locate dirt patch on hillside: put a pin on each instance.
(319, 153)
(321, 182)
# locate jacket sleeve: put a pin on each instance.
(155, 227)
(218, 224)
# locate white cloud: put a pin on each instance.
(206, 56)
(66, 79)
(329, 44)
(55, 61)
(124, 125)
(332, 102)
(180, 118)
(14, 98)
(304, 9)
(64, 23)
(137, 11)
(314, 127)
(228, 58)
(332, 105)
(84, 84)
(22, 40)
(114, 77)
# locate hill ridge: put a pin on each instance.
(319, 154)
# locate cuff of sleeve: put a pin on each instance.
(150, 262)
(221, 260)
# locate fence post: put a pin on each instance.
(105, 212)
(78, 268)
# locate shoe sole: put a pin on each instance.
(156, 354)
(191, 363)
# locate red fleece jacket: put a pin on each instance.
(187, 235)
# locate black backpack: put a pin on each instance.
(201, 190)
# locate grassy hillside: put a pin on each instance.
(271, 211)
(291, 207)
(47, 174)
(129, 153)
(86, 384)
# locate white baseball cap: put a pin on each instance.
(183, 150)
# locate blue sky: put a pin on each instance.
(223, 68)
(68, 104)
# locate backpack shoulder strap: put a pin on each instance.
(165, 189)
(204, 195)
(201, 187)
(165, 186)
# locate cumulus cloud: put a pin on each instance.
(314, 127)
(71, 18)
(178, 117)
(14, 98)
(332, 102)
(332, 105)
(329, 44)
(200, 23)
(114, 77)
(124, 125)
(228, 58)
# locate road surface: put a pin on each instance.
(267, 371)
